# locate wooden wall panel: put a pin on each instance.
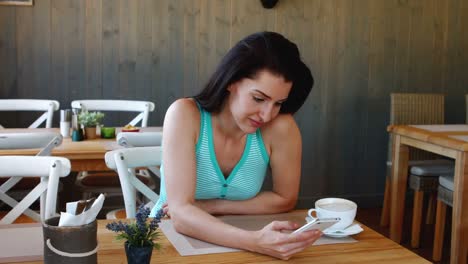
(160, 60)
(144, 49)
(110, 48)
(93, 87)
(159, 50)
(8, 62)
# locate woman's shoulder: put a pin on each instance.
(282, 127)
(184, 106)
(185, 113)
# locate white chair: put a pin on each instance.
(45, 142)
(50, 169)
(125, 161)
(91, 183)
(142, 107)
(142, 139)
(48, 106)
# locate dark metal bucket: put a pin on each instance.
(69, 244)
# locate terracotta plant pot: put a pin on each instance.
(90, 132)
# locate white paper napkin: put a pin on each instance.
(70, 219)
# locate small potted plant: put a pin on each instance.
(140, 235)
(89, 120)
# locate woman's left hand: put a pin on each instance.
(165, 208)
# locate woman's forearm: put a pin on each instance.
(192, 221)
(264, 203)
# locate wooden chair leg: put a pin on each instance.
(439, 231)
(385, 216)
(430, 216)
(417, 217)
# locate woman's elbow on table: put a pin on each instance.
(179, 219)
(284, 204)
(289, 204)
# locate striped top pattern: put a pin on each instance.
(244, 181)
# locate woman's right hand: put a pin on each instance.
(272, 241)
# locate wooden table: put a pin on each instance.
(370, 248)
(446, 140)
(86, 155)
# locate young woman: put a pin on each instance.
(219, 144)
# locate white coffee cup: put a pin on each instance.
(335, 208)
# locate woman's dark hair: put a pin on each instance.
(260, 51)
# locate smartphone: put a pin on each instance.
(319, 223)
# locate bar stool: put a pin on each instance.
(424, 178)
(444, 198)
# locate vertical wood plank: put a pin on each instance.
(288, 18)
(319, 16)
(249, 17)
(403, 32)
(8, 64)
(191, 47)
(8, 47)
(439, 45)
(453, 74)
(176, 50)
(214, 36)
(160, 59)
(59, 67)
(110, 48)
(127, 48)
(24, 46)
(25, 74)
(75, 50)
(143, 82)
(417, 46)
(93, 50)
(41, 49)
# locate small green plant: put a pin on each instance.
(140, 232)
(90, 119)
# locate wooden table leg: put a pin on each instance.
(400, 156)
(459, 243)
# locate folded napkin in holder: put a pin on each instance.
(71, 218)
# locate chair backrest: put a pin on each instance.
(416, 109)
(141, 139)
(47, 106)
(44, 142)
(50, 169)
(143, 107)
(125, 161)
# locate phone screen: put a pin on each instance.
(320, 224)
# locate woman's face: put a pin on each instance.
(254, 102)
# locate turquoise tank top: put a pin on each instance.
(244, 181)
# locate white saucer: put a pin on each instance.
(339, 233)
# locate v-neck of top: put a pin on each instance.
(214, 160)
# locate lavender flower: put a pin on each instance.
(139, 232)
